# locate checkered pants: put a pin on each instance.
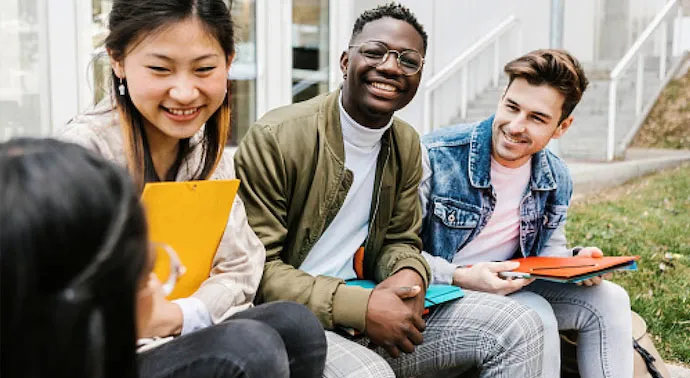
(490, 334)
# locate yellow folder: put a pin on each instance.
(191, 217)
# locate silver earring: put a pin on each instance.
(121, 88)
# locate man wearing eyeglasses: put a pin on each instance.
(336, 174)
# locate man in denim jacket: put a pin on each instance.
(491, 191)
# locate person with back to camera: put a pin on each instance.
(167, 119)
(76, 281)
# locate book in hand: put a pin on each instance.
(435, 294)
(191, 217)
(572, 269)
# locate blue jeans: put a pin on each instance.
(279, 339)
(601, 315)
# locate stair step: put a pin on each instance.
(587, 138)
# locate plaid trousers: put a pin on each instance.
(492, 335)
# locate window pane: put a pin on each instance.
(309, 48)
(20, 69)
(100, 64)
(243, 69)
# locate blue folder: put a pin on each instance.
(435, 294)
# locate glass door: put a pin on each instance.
(100, 66)
(243, 69)
(23, 102)
(310, 48)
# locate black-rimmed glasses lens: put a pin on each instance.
(376, 53)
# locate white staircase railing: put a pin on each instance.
(660, 25)
(481, 79)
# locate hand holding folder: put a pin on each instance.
(573, 269)
(191, 217)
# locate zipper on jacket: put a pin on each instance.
(378, 198)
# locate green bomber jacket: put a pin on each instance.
(294, 181)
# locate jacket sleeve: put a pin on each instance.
(556, 245)
(261, 168)
(402, 244)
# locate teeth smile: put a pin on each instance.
(511, 139)
(182, 111)
(383, 86)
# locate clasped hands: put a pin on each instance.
(394, 313)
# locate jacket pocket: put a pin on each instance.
(455, 214)
(554, 215)
(450, 227)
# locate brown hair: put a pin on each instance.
(555, 68)
(129, 21)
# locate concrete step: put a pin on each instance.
(591, 177)
(587, 138)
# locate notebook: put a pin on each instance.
(573, 269)
(435, 294)
(191, 217)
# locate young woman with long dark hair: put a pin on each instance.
(167, 119)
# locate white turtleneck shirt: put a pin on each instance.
(333, 253)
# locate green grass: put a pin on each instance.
(667, 124)
(649, 217)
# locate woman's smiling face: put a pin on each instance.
(176, 77)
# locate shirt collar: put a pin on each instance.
(356, 134)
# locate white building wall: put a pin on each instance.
(453, 26)
(581, 28)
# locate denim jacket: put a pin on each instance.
(458, 199)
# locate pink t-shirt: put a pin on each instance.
(500, 238)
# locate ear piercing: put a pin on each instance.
(121, 87)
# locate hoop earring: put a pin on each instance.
(121, 87)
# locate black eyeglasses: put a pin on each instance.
(376, 53)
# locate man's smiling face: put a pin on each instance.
(527, 118)
(372, 94)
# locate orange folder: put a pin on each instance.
(191, 217)
(573, 269)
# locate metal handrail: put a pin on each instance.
(461, 62)
(626, 61)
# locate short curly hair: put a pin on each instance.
(392, 10)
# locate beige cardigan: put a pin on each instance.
(239, 261)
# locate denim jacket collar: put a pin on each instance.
(480, 163)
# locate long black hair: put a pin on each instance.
(129, 22)
(73, 251)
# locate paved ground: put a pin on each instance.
(589, 177)
(678, 371)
